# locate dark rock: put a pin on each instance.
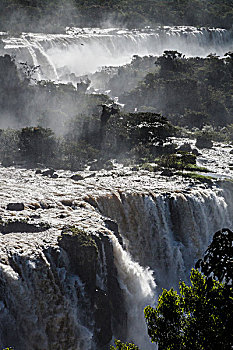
(48, 172)
(45, 205)
(15, 206)
(231, 151)
(203, 142)
(54, 176)
(113, 226)
(108, 165)
(91, 175)
(87, 255)
(67, 202)
(196, 152)
(114, 291)
(38, 171)
(22, 226)
(185, 147)
(96, 166)
(92, 202)
(167, 172)
(102, 315)
(77, 177)
(82, 252)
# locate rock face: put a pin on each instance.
(91, 258)
(62, 295)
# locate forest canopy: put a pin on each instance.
(54, 14)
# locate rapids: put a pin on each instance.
(163, 226)
(85, 50)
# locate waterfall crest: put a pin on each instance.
(84, 51)
(169, 231)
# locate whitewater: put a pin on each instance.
(144, 231)
(86, 50)
(149, 232)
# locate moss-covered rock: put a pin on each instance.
(82, 252)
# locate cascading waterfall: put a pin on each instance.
(139, 291)
(57, 293)
(83, 51)
(169, 232)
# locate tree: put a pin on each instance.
(200, 317)
(122, 346)
(218, 259)
(196, 319)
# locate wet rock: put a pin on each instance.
(22, 226)
(82, 252)
(67, 202)
(45, 205)
(167, 172)
(196, 152)
(203, 142)
(48, 172)
(103, 331)
(91, 175)
(96, 166)
(15, 206)
(34, 206)
(77, 177)
(114, 292)
(113, 226)
(185, 147)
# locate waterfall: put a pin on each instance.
(139, 290)
(169, 232)
(58, 291)
(84, 51)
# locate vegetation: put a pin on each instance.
(83, 239)
(94, 130)
(201, 316)
(54, 14)
(191, 92)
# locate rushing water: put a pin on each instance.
(165, 225)
(83, 51)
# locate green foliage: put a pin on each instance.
(179, 161)
(200, 316)
(192, 319)
(195, 176)
(129, 12)
(122, 346)
(37, 144)
(218, 259)
(191, 92)
(83, 238)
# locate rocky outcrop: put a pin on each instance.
(203, 142)
(91, 259)
(15, 206)
(21, 226)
